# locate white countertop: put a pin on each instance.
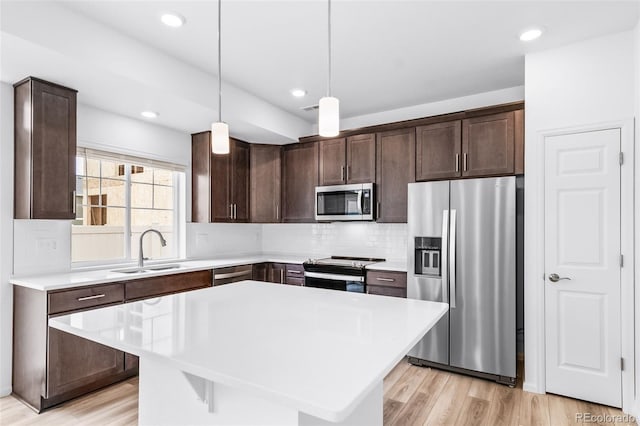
(318, 351)
(391, 265)
(79, 278)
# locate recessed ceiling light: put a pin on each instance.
(298, 93)
(530, 34)
(149, 114)
(172, 20)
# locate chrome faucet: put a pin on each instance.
(140, 254)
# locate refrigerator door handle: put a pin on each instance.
(443, 261)
(452, 259)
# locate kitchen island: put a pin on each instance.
(260, 353)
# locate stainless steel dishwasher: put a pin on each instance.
(232, 274)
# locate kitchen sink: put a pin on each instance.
(150, 268)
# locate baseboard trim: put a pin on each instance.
(5, 391)
(531, 387)
(635, 409)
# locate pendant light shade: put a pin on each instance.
(220, 138)
(220, 130)
(329, 116)
(329, 107)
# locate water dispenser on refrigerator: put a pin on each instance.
(428, 258)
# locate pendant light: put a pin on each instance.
(329, 107)
(220, 130)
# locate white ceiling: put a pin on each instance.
(386, 54)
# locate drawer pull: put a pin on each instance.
(294, 272)
(95, 296)
(385, 279)
(232, 275)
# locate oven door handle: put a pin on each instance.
(335, 277)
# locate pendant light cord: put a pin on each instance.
(220, 61)
(329, 49)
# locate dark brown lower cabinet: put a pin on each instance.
(260, 272)
(75, 362)
(51, 366)
(166, 284)
(279, 273)
(294, 274)
(387, 283)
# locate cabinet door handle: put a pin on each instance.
(390, 280)
(281, 276)
(230, 211)
(73, 201)
(277, 212)
(294, 272)
(378, 210)
(232, 274)
(342, 173)
(466, 162)
(95, 296)
(348, 167)
(235, 211)
(457, 163)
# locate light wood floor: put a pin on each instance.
(412, 396)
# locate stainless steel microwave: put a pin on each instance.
(344, 202)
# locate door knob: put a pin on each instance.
(554, 278)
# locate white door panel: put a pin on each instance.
(582, 243)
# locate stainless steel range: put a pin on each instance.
(338, 273)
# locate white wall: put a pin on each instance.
(206, 240)
(104, 130)
(581, 84)
(6, 235)
(366, 239)
(636, 92)
(479, 100)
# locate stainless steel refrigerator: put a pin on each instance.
(462, 251)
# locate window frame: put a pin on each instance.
(178, 176)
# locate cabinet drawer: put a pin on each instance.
(295, 281)
(158, 286)
(232, 274)
(387, 291)
(295, 270)
(83, 298)
(387, 279)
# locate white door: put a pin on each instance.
(582, 246)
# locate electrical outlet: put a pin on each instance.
(46, 245)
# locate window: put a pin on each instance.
(118, 198)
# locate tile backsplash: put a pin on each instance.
(362, 239)
(222, 239)
(41, 246)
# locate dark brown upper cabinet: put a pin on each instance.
(395, 168)
(265, 177)
(45, 150)
(299, 180)
(348, 160)
(438, 151)
(220, 182)
(488, 145)
(333, 161)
